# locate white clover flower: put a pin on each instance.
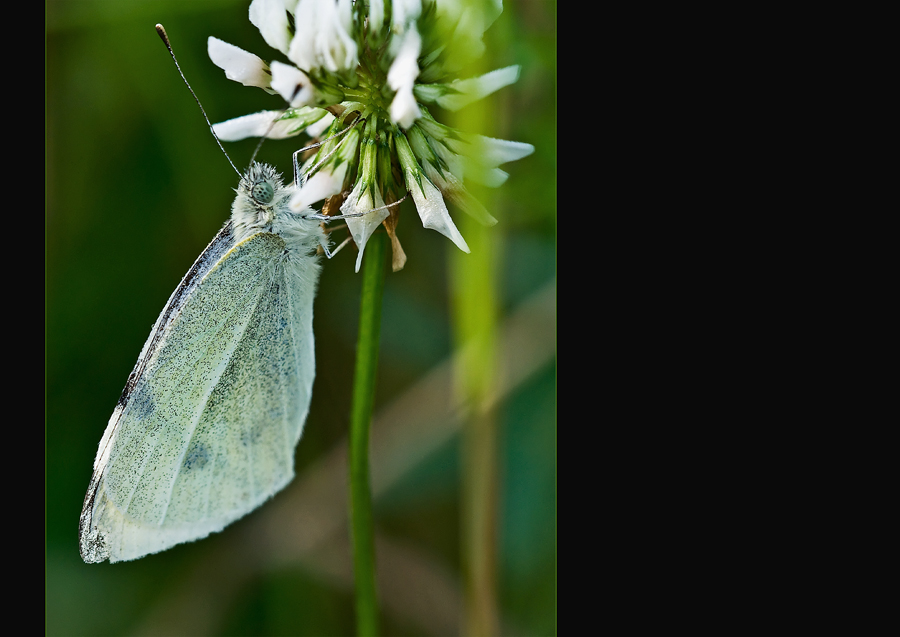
(359, 75)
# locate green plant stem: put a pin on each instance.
(474, 285)
(475, 327)
(362, 532)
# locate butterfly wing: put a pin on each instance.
(206, 429)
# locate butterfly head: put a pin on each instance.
(260, 184)
(261, 197)
(261, 205)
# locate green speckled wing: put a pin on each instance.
(206, 429)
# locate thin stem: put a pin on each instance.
(360, 420)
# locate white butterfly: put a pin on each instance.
(208, 421)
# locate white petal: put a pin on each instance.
(492, 178)
(338, 50)
(402, 76)
(256, 125)
(320, 186)
(404, 108)
(270, 17)
(292, 84)
(463, 167)
(403, 11)
(321, 126)
(469, 90)
(239, 65)
(488, 151)
(376, 14)
(302, 49)
(404, 70)
(433, 211)
(499, 151)
(323, 39)
(452, 189)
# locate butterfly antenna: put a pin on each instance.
(261, 140)
(165, 38)
(266, 134)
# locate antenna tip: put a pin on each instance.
(161, 30)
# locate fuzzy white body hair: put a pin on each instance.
(302, 237)
(248, 215)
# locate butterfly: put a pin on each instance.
(206, 426)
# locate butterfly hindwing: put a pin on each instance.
(216, 406)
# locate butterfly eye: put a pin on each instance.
(262, 192)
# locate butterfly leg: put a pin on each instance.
(330, 254)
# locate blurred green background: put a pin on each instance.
(135, 189)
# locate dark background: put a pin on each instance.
(136, 188)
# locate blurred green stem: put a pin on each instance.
(474, 294)
(360, 420)
(475, 318)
